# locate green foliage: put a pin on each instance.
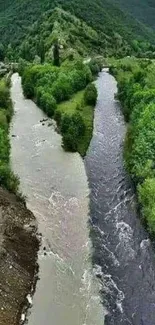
(95, 66)
(50, 86)
(90, 95)
(4, 94)
(72, 128)
(60, 82)
(57, 117)
(136, 90)
(69, 109)
(38, 24)
(56, 55)
(7, 178)
(2, 52)
(146, 195)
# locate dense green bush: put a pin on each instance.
(90, 95)
(60, 82)
(95, 66)
(136, 90)
(57, 117)
(50, 85)
(72, 128)
(7, 178)
(146, 195)
(46, 101)
(4, 94)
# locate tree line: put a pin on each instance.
(50, 85)
(136, 91)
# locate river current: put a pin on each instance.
(122, 248)
(114, 241)
(56, 189)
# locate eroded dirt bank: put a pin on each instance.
(18, 255)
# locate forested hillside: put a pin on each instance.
(143, 10)
(113, 25)
(74, 35)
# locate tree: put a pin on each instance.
(56, 54)
(90, 95)
(2, 52)
(41, 50)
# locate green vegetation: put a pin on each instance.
(74, 106)
(90, 95)
(65, 93)
(143, 10)
(136, 91)
(103, 29)
(7, 178)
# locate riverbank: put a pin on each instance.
(18, 240)
(136, 91)
(18, 257)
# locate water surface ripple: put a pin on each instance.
(57, 192)
(122, 250)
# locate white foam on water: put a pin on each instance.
(97, 269)
(114, 259)
(145, 243)
(109, 282)
(125, 234)
(99, 229)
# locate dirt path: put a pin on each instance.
(18, 254)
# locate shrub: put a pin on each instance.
(70, 140)
(146, 194)
(65, 123)
(94, 67)
(137, 94)
(4, 94)
(90, 95)
(3, 119)
(62, 89)
(72, 128)
(8, 179)
(57, 117)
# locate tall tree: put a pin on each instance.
(56, 54)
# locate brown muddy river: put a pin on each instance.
(55, 185)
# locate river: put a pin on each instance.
(122, 249)
(57, 191)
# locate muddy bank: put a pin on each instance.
(18, 254)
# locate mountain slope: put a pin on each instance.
(16, 16)
(143, 10)
(74, 35)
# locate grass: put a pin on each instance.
(76, 104)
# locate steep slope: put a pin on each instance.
(16, 16)
(74, 35)
(143, 10)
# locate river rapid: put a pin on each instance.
(122, 249)
(56, 189)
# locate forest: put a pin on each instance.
(36, 23)
(70, 83)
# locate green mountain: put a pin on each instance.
(74, 35)
(143, 10)
(104, 27)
